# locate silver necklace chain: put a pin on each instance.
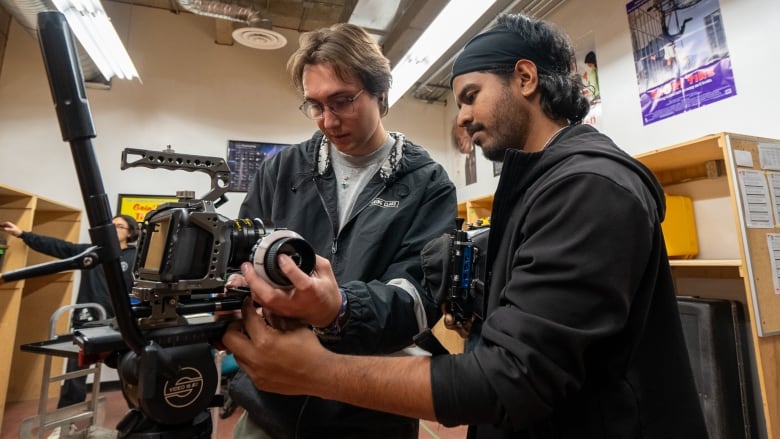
(553, 137)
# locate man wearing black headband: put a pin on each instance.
(581, 336)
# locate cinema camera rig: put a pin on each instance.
(186, 247)
(185, 251)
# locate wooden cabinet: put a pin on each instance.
(26, 305)
(476, 210)
(730, 179)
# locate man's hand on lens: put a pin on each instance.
(314, 299)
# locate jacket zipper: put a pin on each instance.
(334, 247)
(334, 243)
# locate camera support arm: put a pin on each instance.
(73, 113)
(87, 259)
(168, 378)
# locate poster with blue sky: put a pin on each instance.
(680, 54)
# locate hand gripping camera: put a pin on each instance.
(464, 286)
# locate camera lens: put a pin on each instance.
(277, 243)
(244, 234)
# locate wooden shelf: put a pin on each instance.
(707, 164)
(698, 159)
(476, 209)
(708, 268)
(705, 262)
(26, 305)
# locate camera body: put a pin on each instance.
(187, 248)
(465, 287)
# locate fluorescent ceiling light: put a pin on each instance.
(451, 23)
(97, 35)
(374, 14)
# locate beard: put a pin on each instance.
(510, 127)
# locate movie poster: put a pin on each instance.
(587, 66)
(680, 54)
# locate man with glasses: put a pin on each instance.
(92, 287)
(367, 200)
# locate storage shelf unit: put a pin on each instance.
(709, 163)
(475, 209)
(26, 305)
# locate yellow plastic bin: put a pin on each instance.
(679, 227)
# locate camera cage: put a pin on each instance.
(183, 249)
(187, 248)
(465, 283)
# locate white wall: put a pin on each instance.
(196, 95)
(752, 34)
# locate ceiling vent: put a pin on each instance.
(256, 31)
(258, 35)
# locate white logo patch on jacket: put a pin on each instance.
(382, 203)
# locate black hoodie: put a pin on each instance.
(582, 337)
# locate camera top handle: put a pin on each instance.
(70, 100)
(215, 167)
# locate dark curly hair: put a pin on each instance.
(560, 86)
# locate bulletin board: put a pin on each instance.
(756, 184)
(244, 158)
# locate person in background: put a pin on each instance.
(367, 200)
(591, 78)
(581, 336)
(92, 287)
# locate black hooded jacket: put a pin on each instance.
(582, 336)
(376, 260)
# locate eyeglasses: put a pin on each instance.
(119, 226)
(339, 106)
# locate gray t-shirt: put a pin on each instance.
(353, 173)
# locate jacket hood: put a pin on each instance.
(412, 156)
(584, 139)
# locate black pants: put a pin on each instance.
(74, 390)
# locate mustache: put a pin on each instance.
(472, 128)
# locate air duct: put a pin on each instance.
(256, 30)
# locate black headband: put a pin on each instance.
(496, 48)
